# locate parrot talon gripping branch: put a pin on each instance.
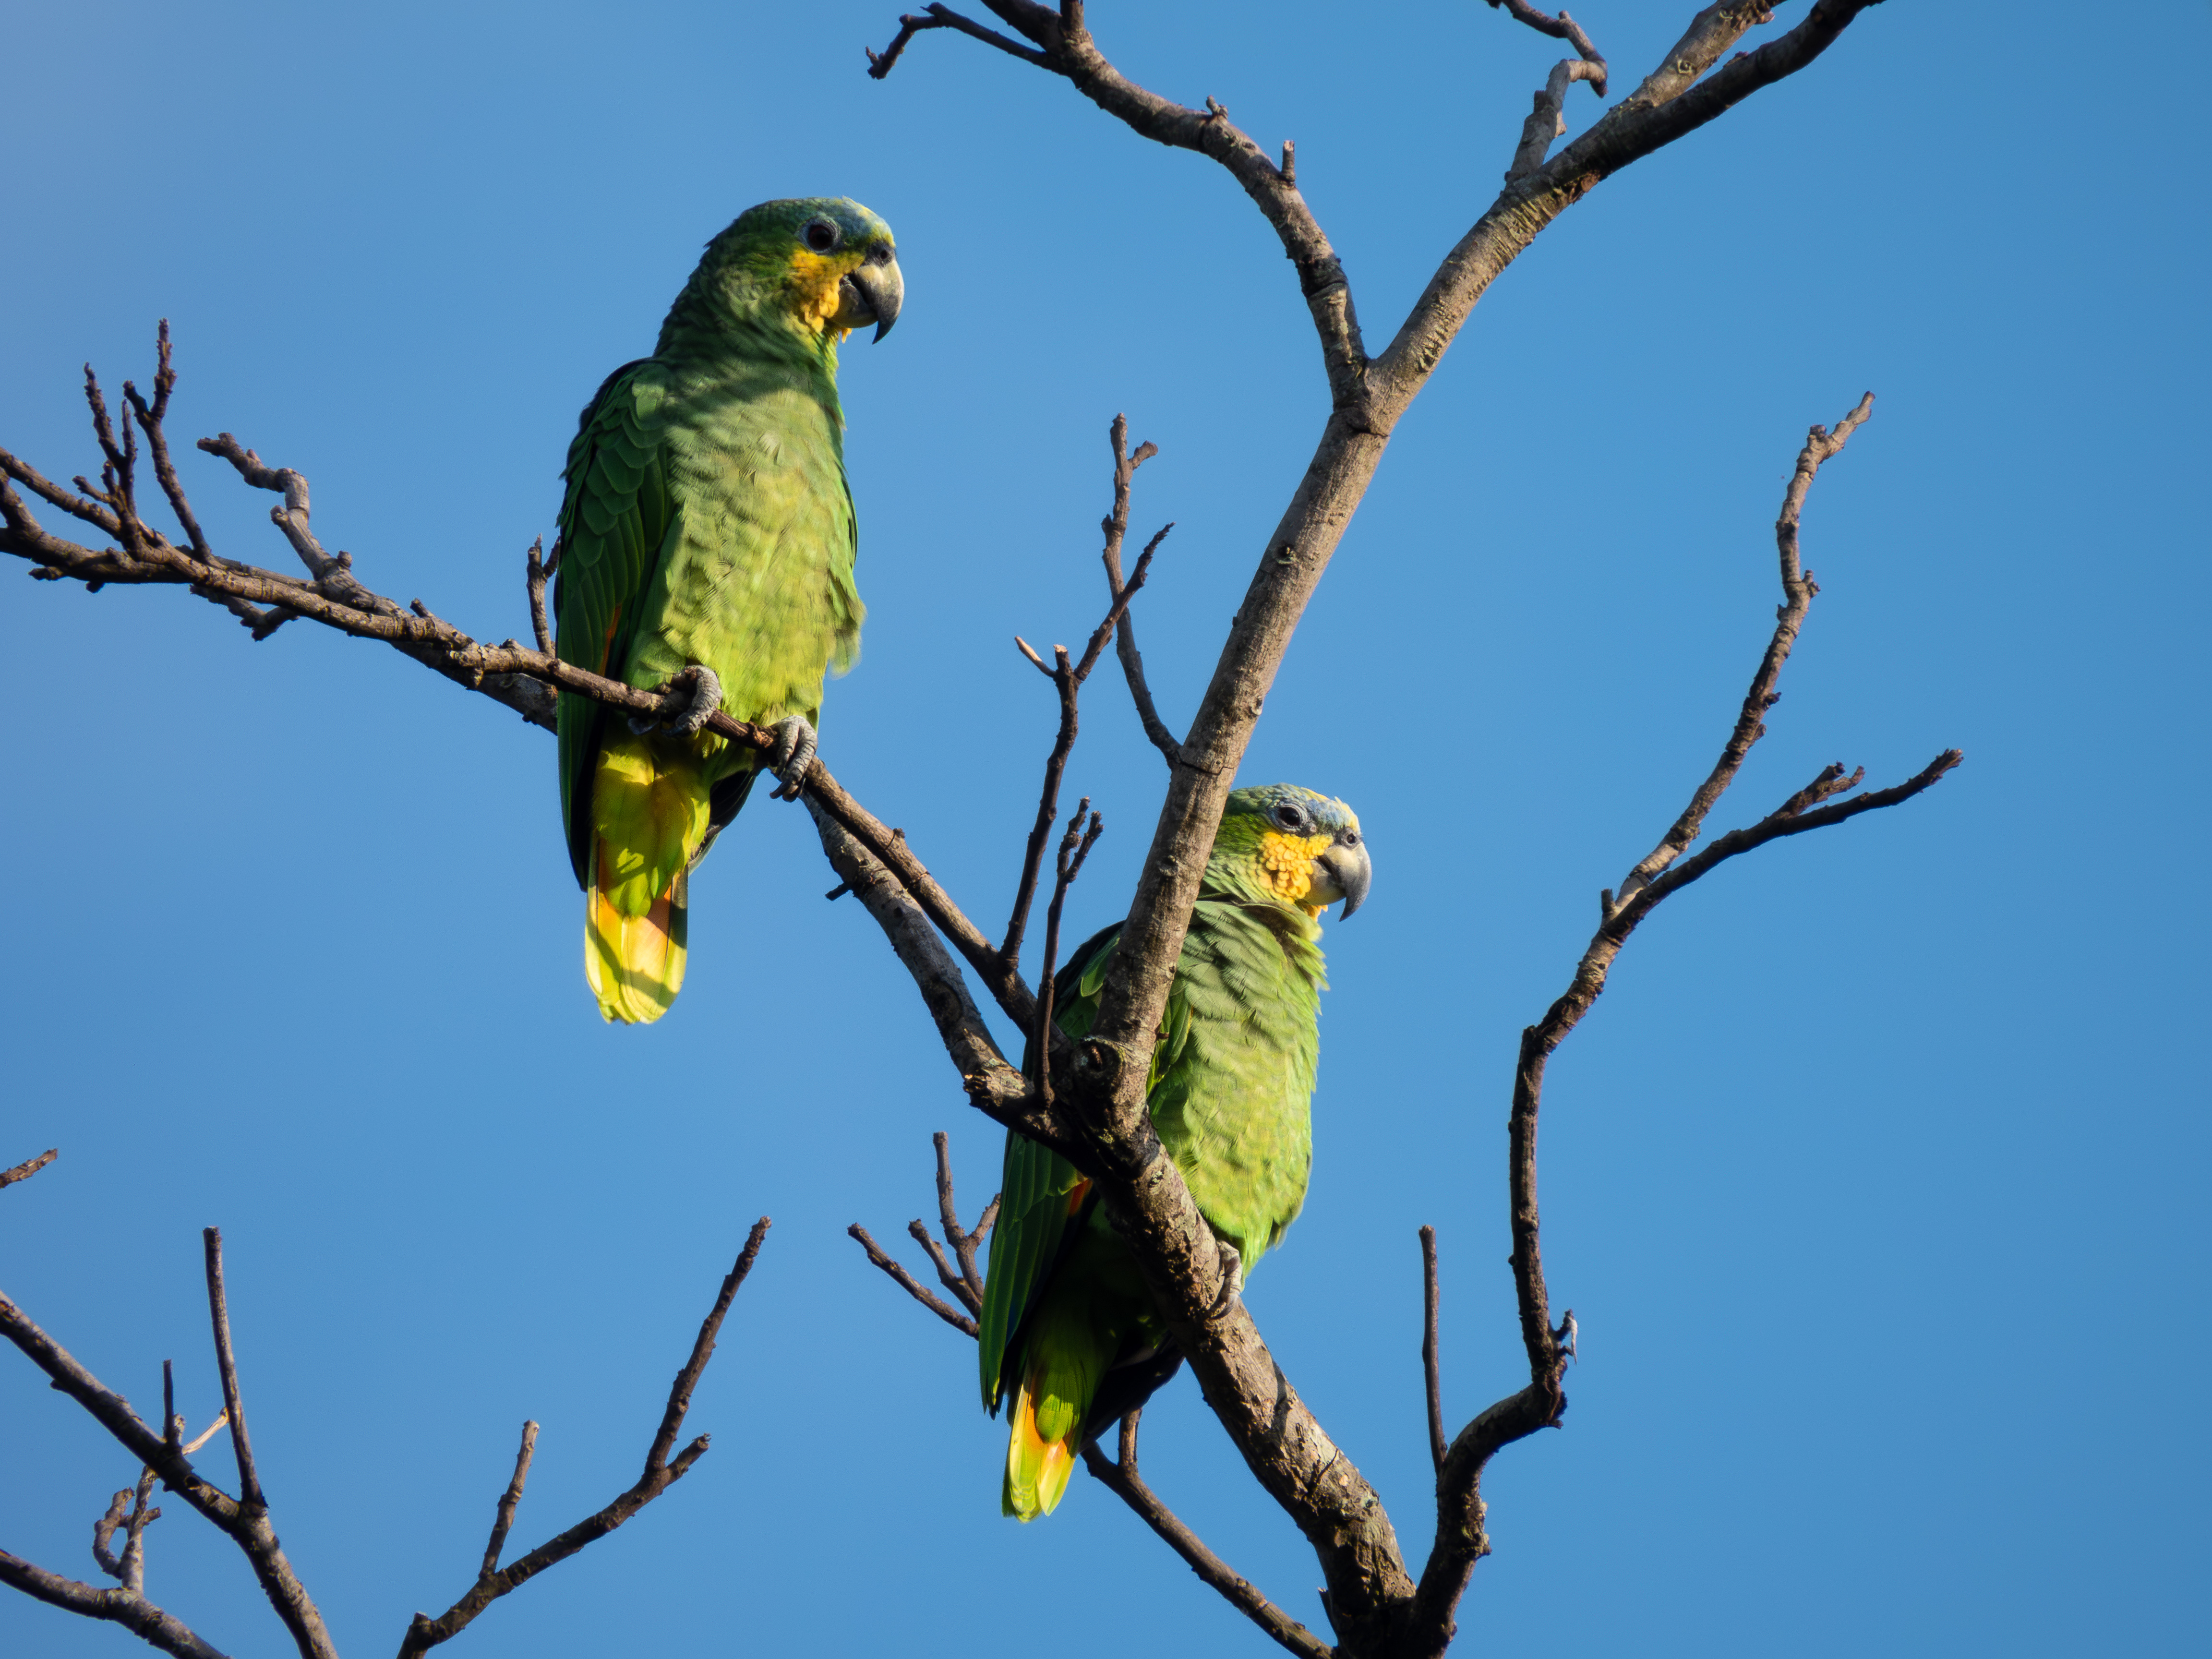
(1146, 1276)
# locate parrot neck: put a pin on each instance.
(724, 319)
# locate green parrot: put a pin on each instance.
(1068, 1329)
(707, 533)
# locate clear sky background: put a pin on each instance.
(1877, 1180)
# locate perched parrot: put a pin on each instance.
(706, 532)
(1068, 1329)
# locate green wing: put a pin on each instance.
(616, 519)
(1043, 1199)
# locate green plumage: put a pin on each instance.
(1229, 1094)
(707, 520)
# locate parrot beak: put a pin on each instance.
(1344, 872)
(872, 292)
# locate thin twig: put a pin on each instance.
(1562, 27)
(503, 1518)
(1430, 1375)
(29, 1167)
(157, 442)
(1125, 1483)
(944, 17)
(249, 1481)
(1074, 849)
(1116, 526)
(947, 1274)
(948, 1213)
(907, 1282)
(537, 570)
(661, 1472)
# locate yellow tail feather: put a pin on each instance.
(1038, 1465)
(635, 964)
(649, 812)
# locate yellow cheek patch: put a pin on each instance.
(1288, 860)
(814, 279)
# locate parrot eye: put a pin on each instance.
(821, 235)
(1290, 817)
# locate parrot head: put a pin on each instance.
(825, 262)
(1280, 843)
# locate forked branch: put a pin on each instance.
(1068, 677)
(661, 1472)
(1460, 1539)
(246, 1520)
(1116, 526)
(1122, 1479)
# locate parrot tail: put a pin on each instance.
(1070, 1347)
(649, 813)
(1038, 1460)
(635, 964)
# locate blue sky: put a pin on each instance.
(1875, 1181)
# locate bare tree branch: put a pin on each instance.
(248, 1527)
(1116, 526)
(996, 1088)
(504, 1517)
(29, 1167)
(1431, 1375)
(1075, 847)
(944, 17)
(1548, 119)
(1797, 591)
(907, 1282)
(661, 1472)
(963, 1243)
(535, 570)
(1067, 678)
(1562, 27)
(122, 1606)
(1122, 1478)
(249, 1481)
(1124, 1482)
(1461, 1540)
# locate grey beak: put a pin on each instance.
(1355, 881)
(881, 290)
(1352, 871)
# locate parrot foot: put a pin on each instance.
(792, 757)
(1232, 1277)
(705, 697)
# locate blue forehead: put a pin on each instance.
(859, 224)
(1261, 800)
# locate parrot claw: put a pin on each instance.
(705, 692)
(1232, 1278)
(792, 757)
